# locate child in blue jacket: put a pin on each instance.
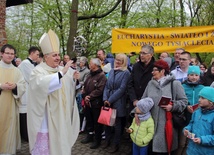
(192, 87)
(200, 130)
(142, 133)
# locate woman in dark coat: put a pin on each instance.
(115, 96)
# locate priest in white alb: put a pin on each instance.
(12, 87)
(53, 118)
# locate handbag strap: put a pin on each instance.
(172, 89)
(105, 108)
(172, 93)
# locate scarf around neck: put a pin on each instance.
(144, 117)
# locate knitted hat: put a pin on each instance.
(161, 64)
(207, 93)
(194, 70)
(145, 104)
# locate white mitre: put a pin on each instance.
(49, 42)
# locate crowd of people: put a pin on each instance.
(49, 103)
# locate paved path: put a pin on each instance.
(83, 149)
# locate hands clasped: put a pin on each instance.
(8, 86)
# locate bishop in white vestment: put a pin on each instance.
(53, 118)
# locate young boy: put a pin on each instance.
(200, 130)
(143, 133)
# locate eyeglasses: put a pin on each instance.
(155, 69)
(143, 53)
(9, 53)
(183, 59)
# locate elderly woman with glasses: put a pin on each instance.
(115, 96)
(160, 86)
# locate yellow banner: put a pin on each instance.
(192, 39)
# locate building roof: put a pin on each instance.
(17, 2)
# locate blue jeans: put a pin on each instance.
(137, 150)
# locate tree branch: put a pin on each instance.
(102, 15)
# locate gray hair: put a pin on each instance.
(180, 49)
(18, 59)
(83, 59)
(149, 48)
(96, 61)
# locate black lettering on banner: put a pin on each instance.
(173, 43)
(186, 35)
(200, 35)
(119, 36)
(190, 42)
(186, 43)
(212, 34)
(159, 44)
(134, 43)
(140, 36)
(199, 42)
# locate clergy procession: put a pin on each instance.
(163, 105)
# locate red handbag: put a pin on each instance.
(107, 116)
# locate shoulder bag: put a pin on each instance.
(178, 118)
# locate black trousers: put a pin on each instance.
(92, 115)
(23, 126)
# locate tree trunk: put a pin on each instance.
(74, 21)
(3, 37)
(173, 13)
(73, 28)
(182, 12)
(124, 13)
(32, 23)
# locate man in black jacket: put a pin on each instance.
(141, 74)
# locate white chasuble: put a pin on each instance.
(53, 103)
